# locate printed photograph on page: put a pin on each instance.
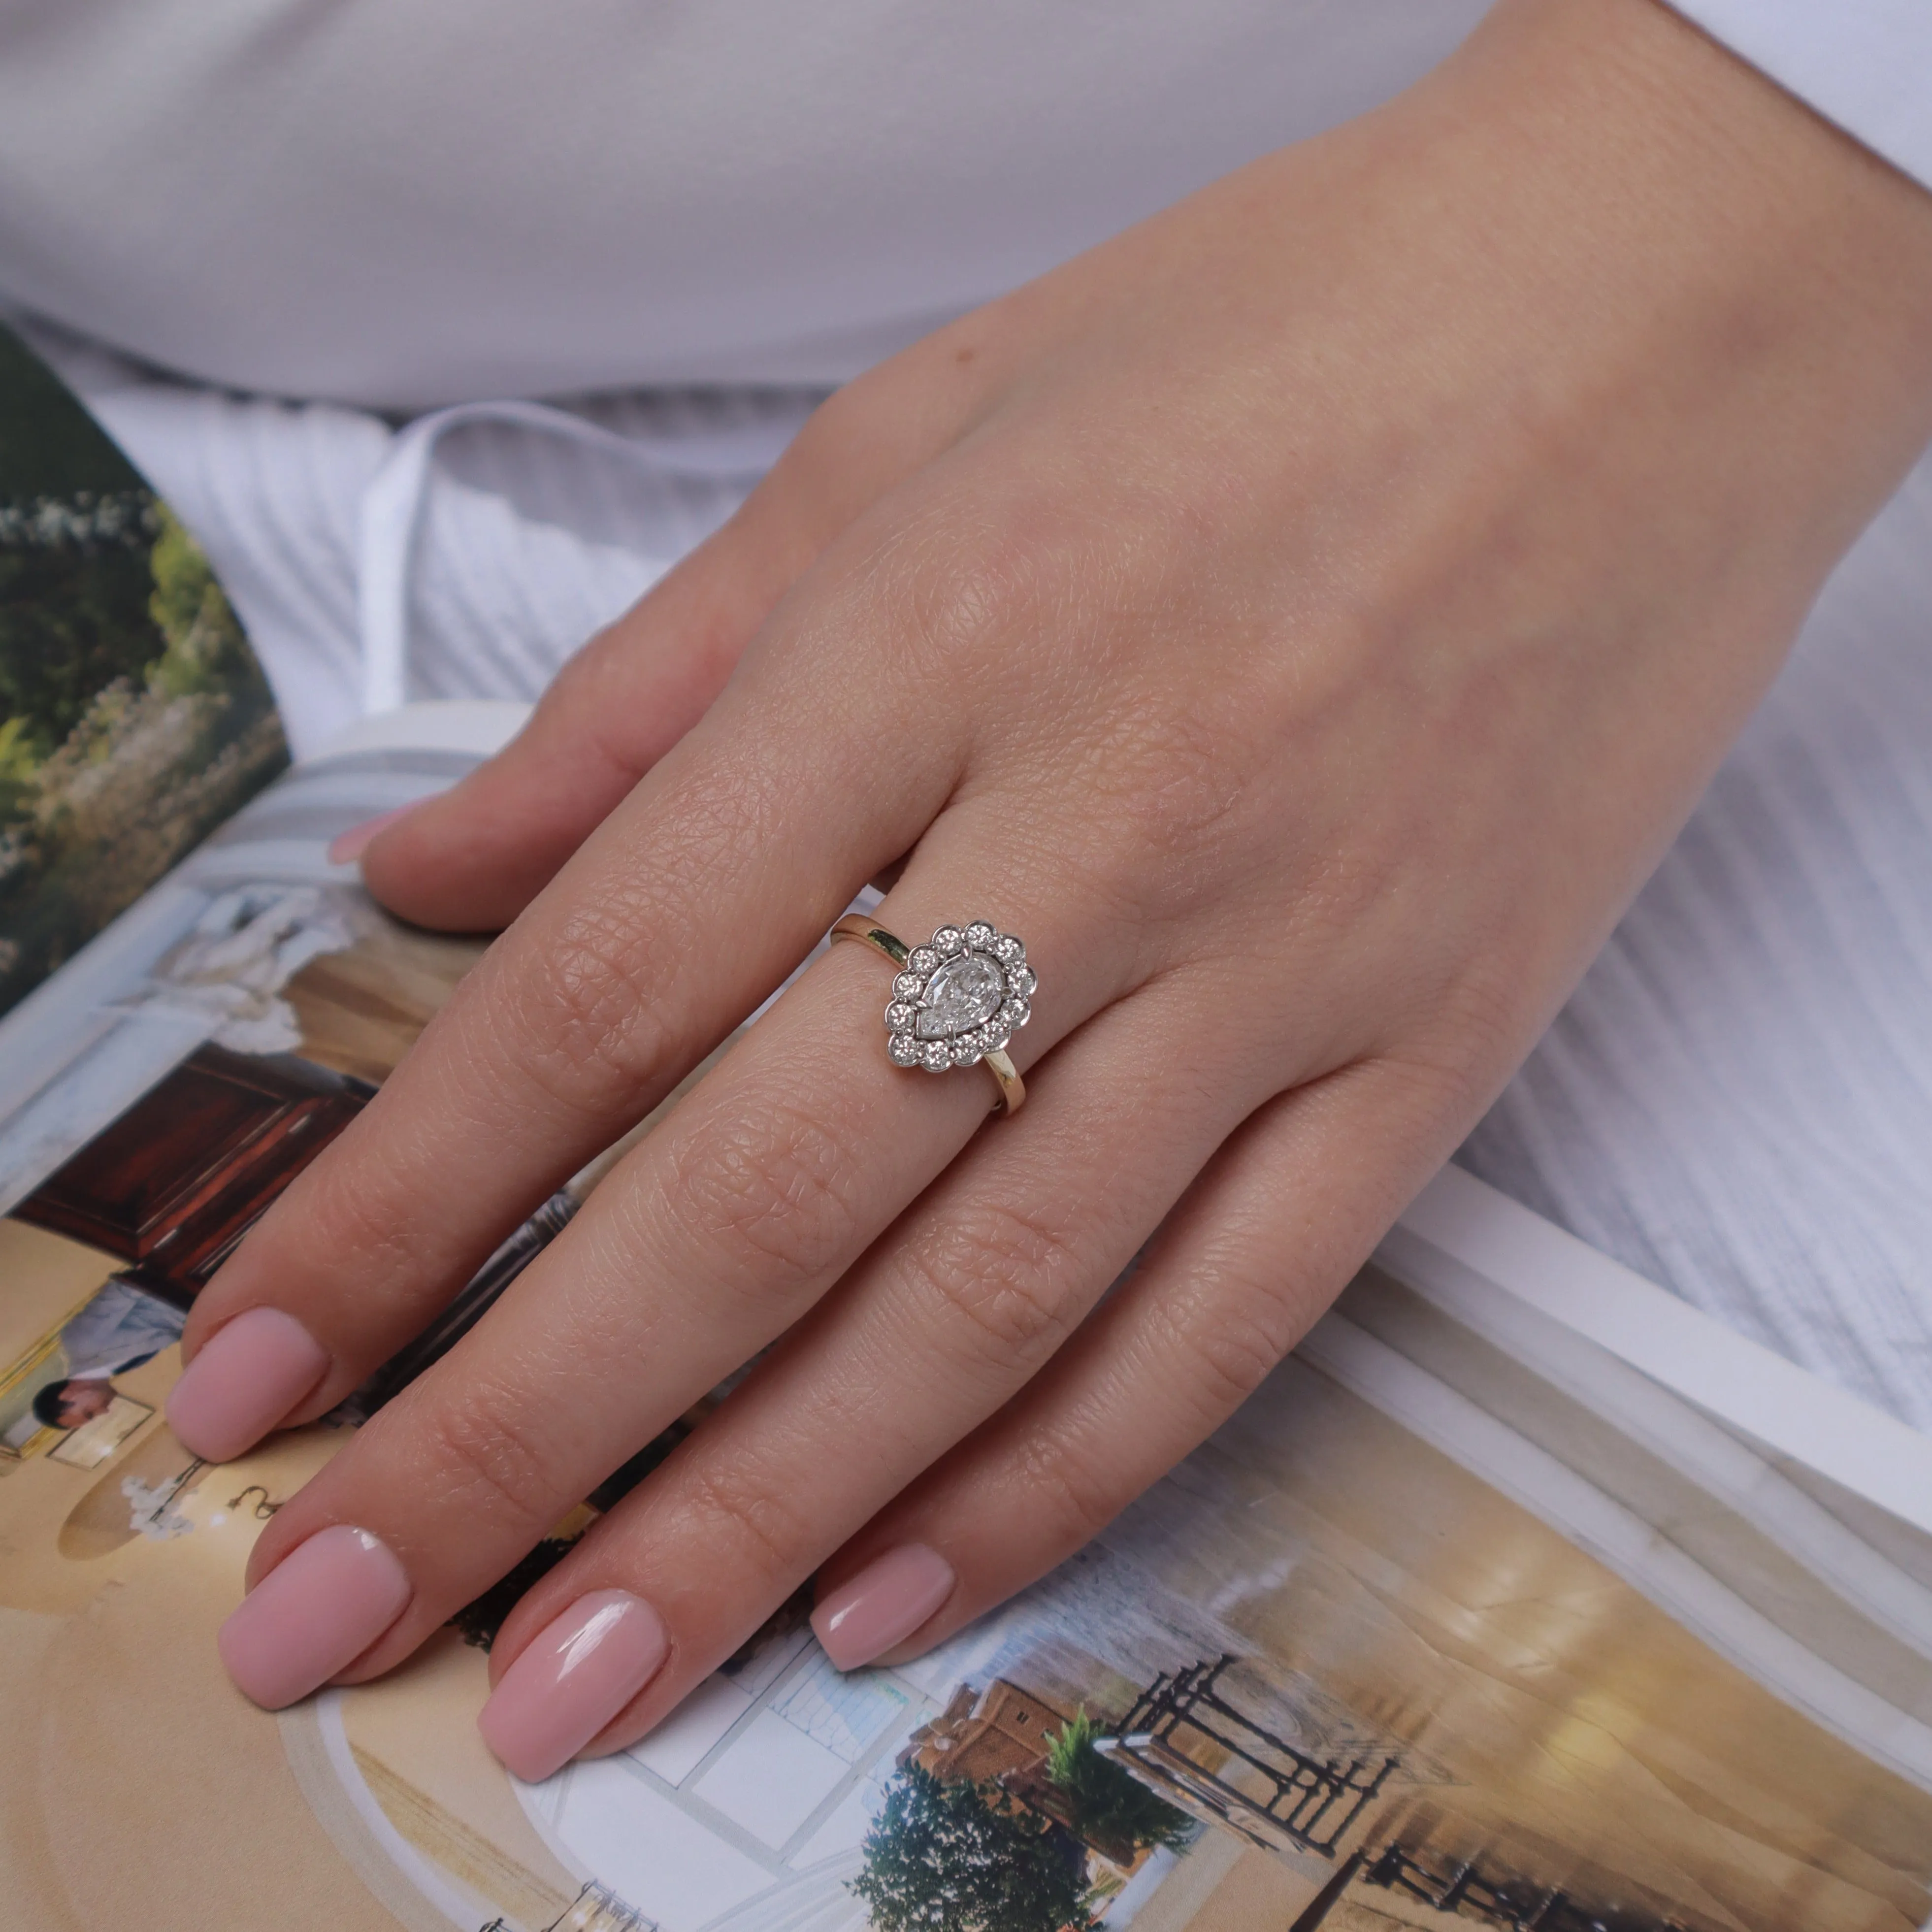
(1459, 1622)
(133, 717)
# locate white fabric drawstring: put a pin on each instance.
(392, 506)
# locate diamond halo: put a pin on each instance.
(960, 997)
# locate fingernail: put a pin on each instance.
(572, 1679)
(250, 1373)
(883, 1605)
(345, 847)
(312, 1615)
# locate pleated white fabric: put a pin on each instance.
(1738, 1100)
(523, 541)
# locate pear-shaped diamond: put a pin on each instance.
(964, 992)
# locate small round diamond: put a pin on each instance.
(979, 935)
(937, 1056)
(1008, 948)
(1023, 981)
(965, 1051)
(900, 1016)
(908, 985)
(948, 940)
(904, 1049)
(1012, 1015)
(923, 960)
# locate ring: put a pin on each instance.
(956, 1001)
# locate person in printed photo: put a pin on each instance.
(117, 1330)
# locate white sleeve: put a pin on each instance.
(1865, 64)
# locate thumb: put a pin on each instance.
(471, 859)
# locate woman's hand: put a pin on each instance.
(1303, 620)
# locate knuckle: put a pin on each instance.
(839, 429)
(1152, 798)
(1073, 1492)
(768, 1194)
(719, 822)
(1171, 775)
(492, 1465)
(353, 1205)
(1338, 887)
(1234, 1357)
(1007, 1281)
(1487, 1020)
(606, 992)
(1447, 1060)
(1231, 1340)
(589, 1015)
(735, 1504)
(1170, 761)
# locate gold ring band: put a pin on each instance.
(867, 931)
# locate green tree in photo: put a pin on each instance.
(20, 756)
(77, 521)
(206, 651)
(49, 445)
(1110, 1805)
(133, 717)
(956, 1857)
(75, 580)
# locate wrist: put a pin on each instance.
(1690, 204)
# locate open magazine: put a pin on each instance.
(1521, 1595)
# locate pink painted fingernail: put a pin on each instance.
(312, 1615)
(883, 1605)
(572, 1679)
(249, 1374)
(345, 847)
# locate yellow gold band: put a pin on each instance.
(867, 931)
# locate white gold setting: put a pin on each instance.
(961, 996)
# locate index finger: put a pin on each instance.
(685, 909)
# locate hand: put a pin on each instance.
(1303, 620)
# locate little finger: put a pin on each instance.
(1262, 1243)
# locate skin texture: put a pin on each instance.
(1306, 620)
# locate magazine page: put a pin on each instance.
(133, 716)
(1460, 1234)
(1467, 1617)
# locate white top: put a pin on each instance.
(413, 205)
(416, 204)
